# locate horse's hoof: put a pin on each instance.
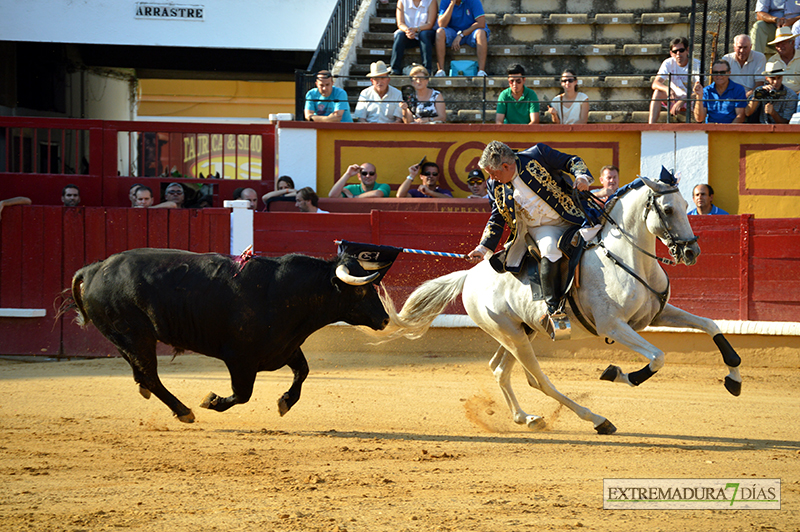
(144, 392)
(535, 423)
(733, 386)
(283, 406)
(209, 400)
(606, 427)
(611, 373)
(187, 418)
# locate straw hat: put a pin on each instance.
(378, 68)
(782, 34)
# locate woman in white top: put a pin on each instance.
(426, 105)
(415, 22)
(571, 106)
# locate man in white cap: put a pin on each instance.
(774, 102)
(771, 15)
(380, 103)
(787, 59)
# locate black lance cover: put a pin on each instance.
(370, 256)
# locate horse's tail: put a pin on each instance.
(421, 307)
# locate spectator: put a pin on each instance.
(426, 105)
(415, 22)
(476, 182)
(429, 173)
(786, 58)
(132, 193)
(247, 194)
(774, 102)
(771, 15)
(746, 64)
(609, 178)
(284, 187)
(577, 112)
(723, 101)
(71, 196)
(174, 193)
(368, 186)
(461, 22)
(308, 201)
(327, 103)
(672, 80)
(144, 199)
(517, 104)
(379, 103)
(10, 202)
(703, 196)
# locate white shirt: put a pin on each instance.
(414, 16)
(372, 108)
(678, 81)
(572, 110)
(751, 70)
(535, 209)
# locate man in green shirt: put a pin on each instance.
(517, 104)
(367, 186)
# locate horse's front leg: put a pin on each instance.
(621, 332)
(501, 364)
(674, 317)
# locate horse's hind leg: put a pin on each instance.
(675, 317)
(501, 364)
(523, 352)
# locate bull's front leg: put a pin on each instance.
(299, 367)
(243, 376)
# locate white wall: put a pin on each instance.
(684, 152)
(258, 24)
(106, 96)
(297, 157)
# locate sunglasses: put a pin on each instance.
(515, 80)
(367, 173)
(475, 181)
(568, 80)
(433, 174)
(678, 50)
(719, 72)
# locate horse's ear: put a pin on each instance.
(657, 186)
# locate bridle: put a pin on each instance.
(675, 244)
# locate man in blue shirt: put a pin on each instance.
(703, 197)
(461, 22)
(327, 103)
(723, 101)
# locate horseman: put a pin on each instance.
(530, 193)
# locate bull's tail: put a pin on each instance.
(422, 306)
(75, 299)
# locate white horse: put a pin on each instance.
(622, 289)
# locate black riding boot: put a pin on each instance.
(555, 321)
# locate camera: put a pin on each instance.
(765, 93)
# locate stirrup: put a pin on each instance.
(557, 325)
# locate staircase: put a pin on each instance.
(614, 46)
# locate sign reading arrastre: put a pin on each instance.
(169, 11)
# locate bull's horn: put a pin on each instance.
(344, 274)
(373, 265)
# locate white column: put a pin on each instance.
(241, 225)
(297, 157)
(685, 153)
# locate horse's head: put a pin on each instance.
(665, 217)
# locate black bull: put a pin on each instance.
(253, 316)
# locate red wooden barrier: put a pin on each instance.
(748, 269)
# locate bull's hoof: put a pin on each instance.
(733, 386)
(187, 418)
(611, 373)
(606, 427)
(144, 392)
(210, 400)
(283, 406)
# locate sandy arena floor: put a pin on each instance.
(382, 442)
